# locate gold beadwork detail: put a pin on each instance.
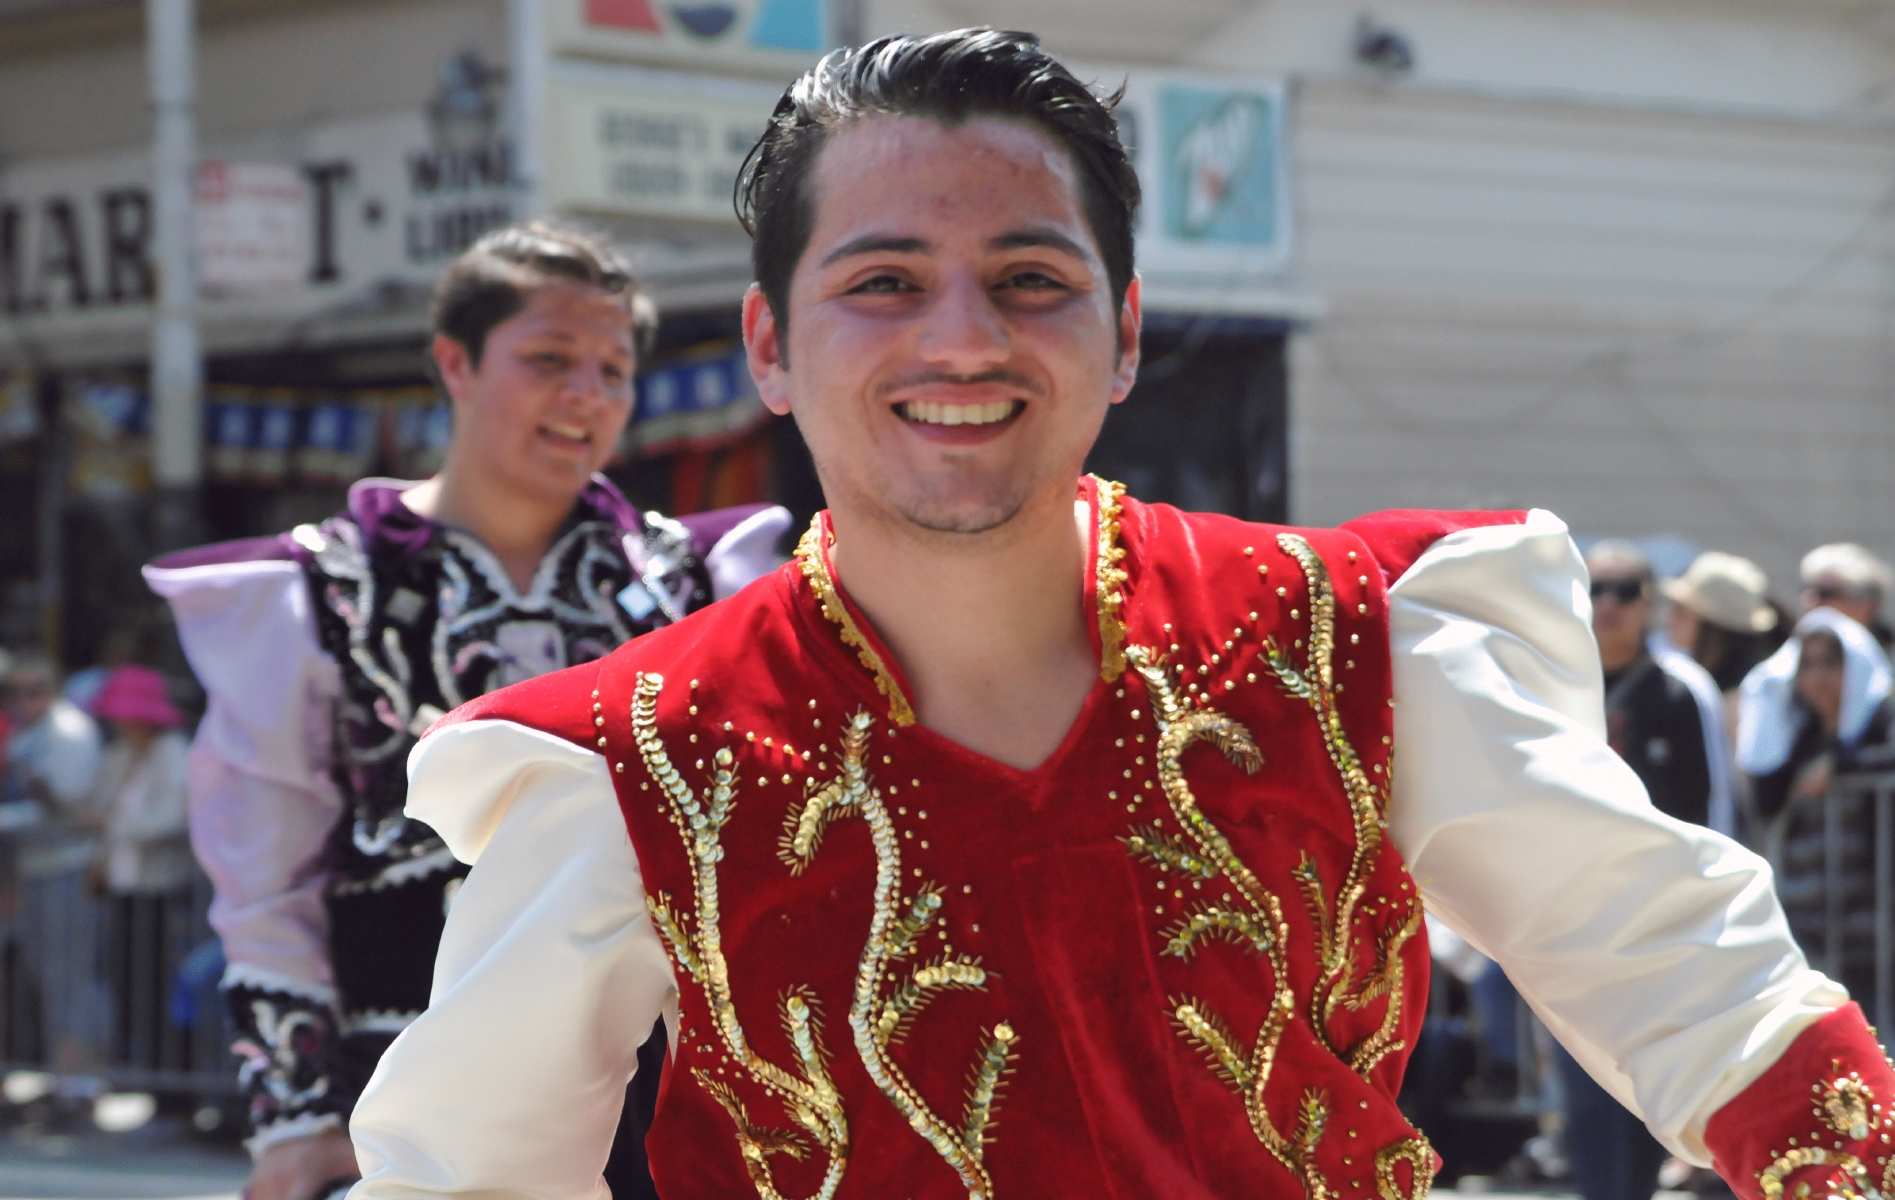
(1110, 581)
(882, 1010)
(815, 566)
(1846, 1107)
(1420, 1159)
(1256, 921)
(1337, 983)
(696, 943)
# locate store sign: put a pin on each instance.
(1210, 155)
(371, 203)
(639, 151)
(775, 37)
(253, 228)
(367, 205)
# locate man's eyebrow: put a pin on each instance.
(1022, 239)
(877, 243)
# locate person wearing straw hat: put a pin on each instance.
(1721, 615)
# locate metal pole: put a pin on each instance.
(177, 366)
(526, 105)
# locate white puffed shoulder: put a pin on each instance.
(463, 778)
(549, 977)
(1655, 950)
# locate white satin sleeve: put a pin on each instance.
(549, 977)
(1654, 950)
(262, 804)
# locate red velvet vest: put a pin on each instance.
(1179, 959)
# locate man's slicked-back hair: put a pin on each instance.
(494, 278)
(945, 77)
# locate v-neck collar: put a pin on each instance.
(1103, 594)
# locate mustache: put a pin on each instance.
(997, 375)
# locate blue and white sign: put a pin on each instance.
(1210, 154)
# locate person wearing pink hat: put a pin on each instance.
(138, 805)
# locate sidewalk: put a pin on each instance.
(161, 1161)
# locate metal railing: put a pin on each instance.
(114, 991)
(1844, 914)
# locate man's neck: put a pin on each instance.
(989, 628)
(517, 528)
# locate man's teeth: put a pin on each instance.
(574, 433)
(957, 414)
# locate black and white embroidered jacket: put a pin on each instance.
(326, 652)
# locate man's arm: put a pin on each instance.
(1655, 950)
(550, 975)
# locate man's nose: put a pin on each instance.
(965, 332)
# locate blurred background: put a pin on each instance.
(1629, 261)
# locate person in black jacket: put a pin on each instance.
(1656, 724)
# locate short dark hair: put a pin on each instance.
(946, 77)
(492, 279)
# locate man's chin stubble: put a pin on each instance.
(986, 520)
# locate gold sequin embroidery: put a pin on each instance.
(815, 566)
(1338, 982)
(695, 939)
(1846, 1106)
(881, 1009)
(880, 1013)
(1110, 580)
(1255, 919)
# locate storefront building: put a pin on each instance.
(1626, 262)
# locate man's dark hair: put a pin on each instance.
(946, 77)
(493, 279)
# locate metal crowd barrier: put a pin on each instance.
(112, 991)
(1855, 938)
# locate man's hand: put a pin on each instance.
(295, 1168)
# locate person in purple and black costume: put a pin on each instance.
(329, 650)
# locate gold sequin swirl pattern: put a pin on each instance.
(815, 566)
(882, 1009)
(1109, 582)
(695, 939)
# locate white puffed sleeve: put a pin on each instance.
(549, 977)
(1655, 950)
(261, 801)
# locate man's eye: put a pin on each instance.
(1033, 281)
(880, 285)
(551, 361)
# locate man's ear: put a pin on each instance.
(763, 347)
(455, 365)
(1131, 319)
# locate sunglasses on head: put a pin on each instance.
(1625, 591)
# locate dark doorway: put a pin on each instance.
(1207, 426)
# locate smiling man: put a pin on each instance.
(1023, 839)
(327, 651)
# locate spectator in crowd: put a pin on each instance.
(53, 753)
(1847, 578)
(1659, 721)
(144, 860)
(1721, 616)
(1819, 706)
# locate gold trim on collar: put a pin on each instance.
(1111, 579)
(815, 565)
